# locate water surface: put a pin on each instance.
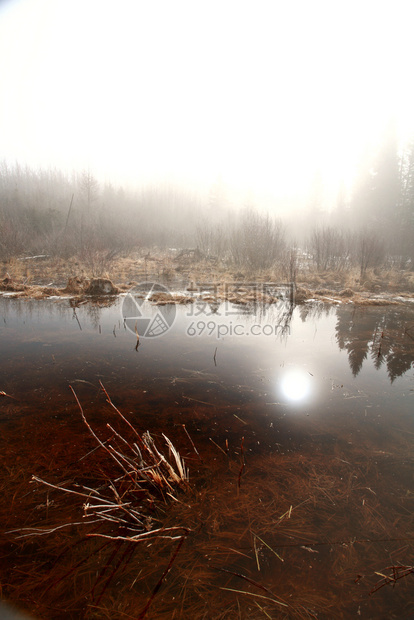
(317, 401)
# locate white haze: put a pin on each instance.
(263, 95)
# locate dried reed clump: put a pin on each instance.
(162, 299)
(39, 292)
(8, 284)
(379, 301)
(79, 285)
(323, 291)
(127, 499)
(76, 285)
(302, 294)
(346, 292)
(101, 286)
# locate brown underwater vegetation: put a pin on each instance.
(103, 520)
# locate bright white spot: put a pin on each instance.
(296, 385)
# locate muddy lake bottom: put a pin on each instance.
(296, 426)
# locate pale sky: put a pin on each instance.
(262, 93)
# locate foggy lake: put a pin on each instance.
(206, 310)
(310, 400)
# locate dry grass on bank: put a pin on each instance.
(45, 276)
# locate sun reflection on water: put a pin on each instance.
(296, 385)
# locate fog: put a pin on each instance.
(199, 113)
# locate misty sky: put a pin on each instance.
(260, 93)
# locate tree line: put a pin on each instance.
(49, 212)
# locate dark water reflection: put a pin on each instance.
(322, 382)
(314, 360)
(386, 337)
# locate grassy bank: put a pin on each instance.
(45, 276)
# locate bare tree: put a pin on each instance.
(329, 248)
(89, 189)
(370, 251)
(405, 238)
(257, 240)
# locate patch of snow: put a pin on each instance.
(34, 257)
(334, 301)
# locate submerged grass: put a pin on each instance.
(124, 532)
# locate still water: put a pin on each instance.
(301, 427)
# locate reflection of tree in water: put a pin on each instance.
(354, 329)
(32, 309)
(94, 312)
(384, 335)
(92, 308)
(401, 352)
(284, 320)
(315, 311)
(278, 315)
(283, 313)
